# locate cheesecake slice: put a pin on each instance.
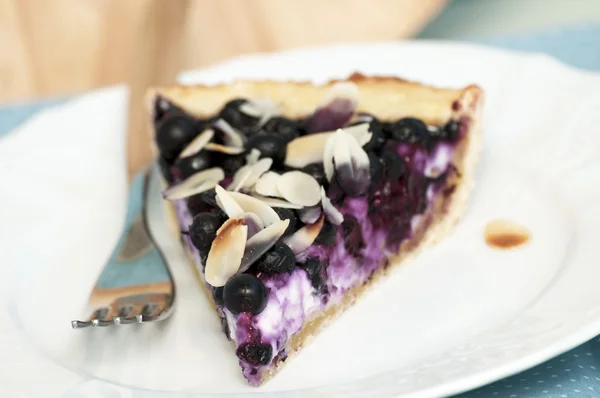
(292, 199)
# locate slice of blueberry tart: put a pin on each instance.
(293, 199)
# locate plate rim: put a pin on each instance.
(459, 384)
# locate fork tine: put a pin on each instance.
(143, 300)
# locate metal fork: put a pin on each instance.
(135, 285)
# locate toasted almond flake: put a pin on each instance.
(228, 150)
(345, 90)
(309, 215)
(256, 170)
(306, 150)
(267, 184)
(261, 242)
(263, 108)
(253, 205)
(299, 188)
(232, 136)
(227, 203)
(250, 109)
(253, 156)
(360, 132)
(197, 143)
(362, 117)
(351, 163)
(333, 215)
(226, 252)
(253, 222)
(274, 202)
(310, 148)
(304, 237)
(195, 183)
(242, 181)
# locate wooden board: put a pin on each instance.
(52, 47)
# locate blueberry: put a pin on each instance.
(393, 165)
(286, 129)
(317, 171)
(287, 214)
(196, 205)
(255, 354)
(353, 239)
(315, 271)
(202, 202)
(376, 166)
(245, 293)
(232, 163)
(278, 260)
(220, 214)
(209, 197)
(270, 145)
(203, 230)
(173, 133)
(377, 137)
(327, 236)
(165, 170)
(409, 130)
(218, 296)
(452, 130)
(193, 164)
(232, 114)
(163, 107)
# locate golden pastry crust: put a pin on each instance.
(387, 98)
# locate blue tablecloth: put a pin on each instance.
(574, 374)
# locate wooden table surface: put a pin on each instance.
(55, 47)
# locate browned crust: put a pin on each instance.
(389, 98)
(385, 96)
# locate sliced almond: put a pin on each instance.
(306, 150)
(261, 242)
(253, 222)
(262, 108)
(310, 148)
(253, 205)
(256, 170)
(275, 202)
(196, 183)
(197, 143)
(351, 164)
(309, 215)
(253, 156)
(299, 188)
(267, 184)
(232, 136)
(225, 255)
(242, 181)
(228, 150)
(360, 132)
(304, 237)
(341, 90)
(362, 118)
(333, 215)
(227, 203)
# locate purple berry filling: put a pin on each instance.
(407, 175)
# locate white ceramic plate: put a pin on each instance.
(460, 316)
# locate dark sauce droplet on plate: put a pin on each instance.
(504, 234)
